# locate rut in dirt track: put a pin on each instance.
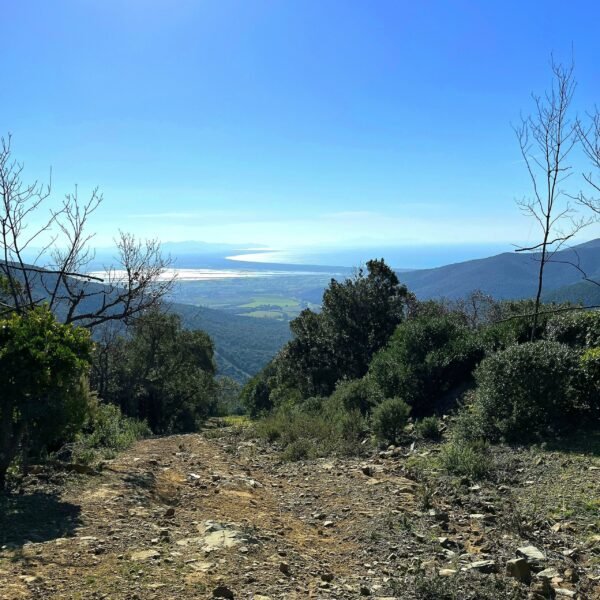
(179, 516)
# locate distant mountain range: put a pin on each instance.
(244, 345)
(509, 275)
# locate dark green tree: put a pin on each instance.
(43, 387)
(426, 358)
(161, 373)
(358, 317)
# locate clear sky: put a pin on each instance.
(289, 122)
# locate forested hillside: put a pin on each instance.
(507, 275)
(243, 345)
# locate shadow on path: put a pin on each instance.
(36, 517)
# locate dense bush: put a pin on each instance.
(358, 394)
(313, 429)
(106, 432)
(357, 318)
(429, 428)
(160, 373)
(589, 385)
(256, 395)
(389, 419)
(528, 391)
(425, 359)
(575, 328)
(44, 395)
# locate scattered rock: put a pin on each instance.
(483, 566)
(549, 573)
(534, 556)
(565, 593)
(285, 568)
(143, 555)
(519, 569)
(439, 515)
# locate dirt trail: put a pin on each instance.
(177, 517)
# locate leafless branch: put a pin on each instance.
(546, 139)
(57, 273)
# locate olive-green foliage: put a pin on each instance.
(511, 324)
(426, 358)
(589, 385)
(579, 328)
(468, 424)
(43, 390)
(468, 459)
(256, 395)
(528, 392)
(106, 432)
(228, 400)
(358, 394)
(389, 419)
(160, 373)
(357, 318)
(429, 428)
(309, 431)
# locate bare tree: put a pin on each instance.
(590, 141)
(46, 252)
(547, 138)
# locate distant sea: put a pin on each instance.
(398, 257)
(200, 263)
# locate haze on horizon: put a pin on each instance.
(293, 124)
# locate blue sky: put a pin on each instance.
(289, 123)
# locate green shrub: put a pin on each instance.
(389, 419)
(310, 431)
(301, 449)
(577, 328)
(44, 394)
(589, 385)
(107, 432)
(466, 459)
(357, 394)
(429, 428)
(270, 427)
(255, 395)
(160, 373)
(468, 424)
(426, 358)
(528, 392)
(351, 427)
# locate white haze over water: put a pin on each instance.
(399, 257)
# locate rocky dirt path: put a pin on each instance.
(191, 517)
(216, 515)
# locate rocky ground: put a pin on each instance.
(218, 515)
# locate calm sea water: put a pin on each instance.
(405, 257)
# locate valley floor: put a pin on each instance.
(217, 515)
